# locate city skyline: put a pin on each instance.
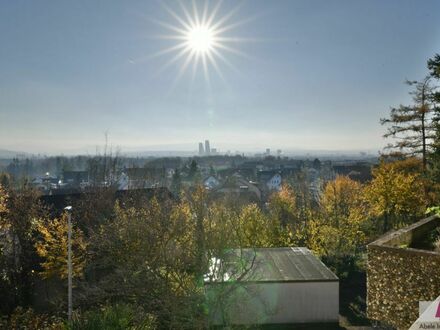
(193, 149)
(298, 75)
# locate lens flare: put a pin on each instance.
(200, 38)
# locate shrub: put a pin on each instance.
(437, 242)
(27, 319)
(114, 317)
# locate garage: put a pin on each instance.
(271, 286)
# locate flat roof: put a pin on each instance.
(286, 264)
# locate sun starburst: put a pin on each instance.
(201, 38)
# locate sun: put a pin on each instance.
(200, 39)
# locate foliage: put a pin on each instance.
(17, 254)
(341, 198)
(434, 168)
(145, 256)
(288, 227)
(345, 265)
(340, 231)
(434, 66)
(176, 184)
(437, 243)
(152, 254)
(221, 228)
(395, 198)
(282, 205)
(114, 317)
(94, 208)
(250, 222)
(411, 126)
(435, 210)
(52, 248)
(27, 319)
(3, 200)
(194, 171)
(409, 165)
(5, 180)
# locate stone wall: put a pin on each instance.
(399, 277)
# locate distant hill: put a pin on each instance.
(8, 154)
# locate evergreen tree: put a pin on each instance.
(411, 125)
(211, 170)
(434, 67)
(193, 169)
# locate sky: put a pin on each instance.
(293, 74)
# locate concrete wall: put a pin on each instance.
(274, 303)
(399, 277)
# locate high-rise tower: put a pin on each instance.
(201, 150)
(207, 148)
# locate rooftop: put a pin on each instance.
(287, 264)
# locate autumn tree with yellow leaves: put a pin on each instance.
(52, 248)
(288, 223)
(3, 199)
(18, 257)
(340, 228)
(395, 198)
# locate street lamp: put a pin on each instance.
(68, 210)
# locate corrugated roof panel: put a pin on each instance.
(277, 265)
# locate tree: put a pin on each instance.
(254, 228)
(198, 204)
(288, 227)
(176, 183)
(147, 256)
(18, 257)
(103, 168)
(52, 248)
(395, 198)
(193, 169)
(316, 164)
(211, 170)
(5, 180)
(341, 230)
(282, 205)
(3, 200)
(434, 67)
(411, 125)
(339, 198)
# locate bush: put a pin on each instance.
(114, 318)
(27, 319)
(345, 265)
(437, 242)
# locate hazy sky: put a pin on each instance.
(305, 74)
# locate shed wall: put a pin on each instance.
(274, 303)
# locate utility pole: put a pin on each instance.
(68, 209)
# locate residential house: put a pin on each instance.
(211, 182)
(243, 190)
(270, 180)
